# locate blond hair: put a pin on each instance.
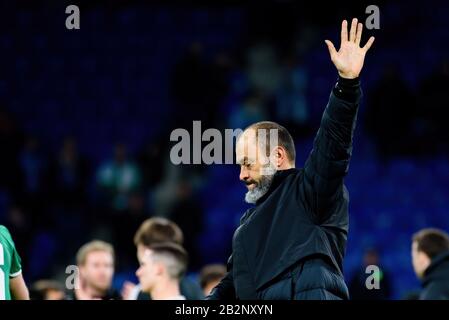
(96, 245)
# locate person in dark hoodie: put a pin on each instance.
(430, 257)
(291, 244)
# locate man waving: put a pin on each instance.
(291, 244)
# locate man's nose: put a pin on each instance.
(243, 174)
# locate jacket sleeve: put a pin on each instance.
(225, 289)
(328, 163)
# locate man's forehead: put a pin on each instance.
(246, 146)
(247, 138)
(98, 254)
(144, 252)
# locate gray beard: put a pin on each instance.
(260, 189)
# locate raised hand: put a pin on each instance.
(350, 57)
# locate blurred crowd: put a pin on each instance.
(161, 273)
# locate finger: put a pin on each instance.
(331, 47)
(358, 36)
(353, 30)
(344, 31)
(368, 44)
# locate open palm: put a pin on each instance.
(350, 57)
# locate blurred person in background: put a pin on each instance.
(151, 161)
(357, 285)
(47, 290)
(128, 222)
(11, 139)
(263, 68)
(187, 213)
(68, 175)
(117, 178)
(33, 164)
(210, 277)
(95, 261)
(252, 109)
(67, 181)
(291, 102)
(12, 284)
(153, 231)
(430, 258)
(161, 268)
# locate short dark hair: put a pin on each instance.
(39, 289)
(285, 139)
(431, 241)
(157, 230)
(178, 257)
(212, 272)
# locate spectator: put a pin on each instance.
(263, 68)
(67, 182)
(10, 142)
(187, 213)
(128, 222)
(68, 175)
(210, 277)
(357, 286)
(253, 109)
(32, 164)
(151, 162)
(34, 197)
(47, 290)
(430, 257)
(218, 86)
(117, 178)
(291, 104)
(95, 262)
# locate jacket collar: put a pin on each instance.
(434, 265)
(278, 178)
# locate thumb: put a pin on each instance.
(331, 48)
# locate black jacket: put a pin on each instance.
(291, 244)
(111, 294)
(436, 279)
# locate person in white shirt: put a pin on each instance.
(161, 268)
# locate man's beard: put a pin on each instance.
(260, 189)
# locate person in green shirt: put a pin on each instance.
(12, 284)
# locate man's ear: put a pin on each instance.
(160, 268)
(280, 156)
(425, 259)
(81, 270)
